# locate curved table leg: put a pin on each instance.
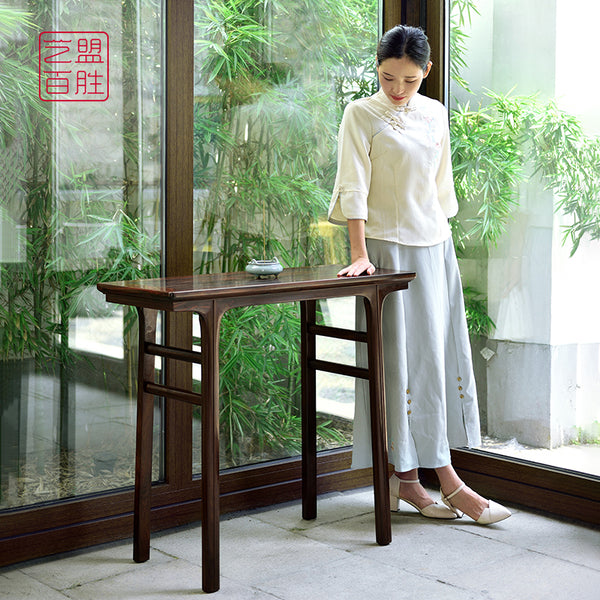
(308, 311)
(383, 522)
(209, 324)
(143, 446)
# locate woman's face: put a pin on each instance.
(400, 78)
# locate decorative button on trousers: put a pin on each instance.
(427, 352)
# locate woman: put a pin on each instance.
(395, 192)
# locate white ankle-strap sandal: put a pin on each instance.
(492, 514)
(432, 511)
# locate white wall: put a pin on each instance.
(577, 81)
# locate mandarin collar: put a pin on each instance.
(389, 105)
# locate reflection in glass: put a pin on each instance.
(80, 184)
(271, 81)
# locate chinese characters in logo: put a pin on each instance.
(73, 66)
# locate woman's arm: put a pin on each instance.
(358, 251)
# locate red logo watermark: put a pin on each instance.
(73, 66)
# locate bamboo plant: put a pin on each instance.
(265, 128)
(500, 144)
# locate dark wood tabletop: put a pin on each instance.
(175, 293)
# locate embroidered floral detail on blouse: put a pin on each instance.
(433, 133)
(393, 117)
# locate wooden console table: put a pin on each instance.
(210, 296)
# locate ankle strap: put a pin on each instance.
(408, 480)
(458, 489)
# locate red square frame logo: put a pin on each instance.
(74, 66)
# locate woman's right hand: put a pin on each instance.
(358, 251)
(358, 267)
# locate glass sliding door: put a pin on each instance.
(80, 179)
(271, 82)
(526, 154)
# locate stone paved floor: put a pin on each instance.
(273, 554)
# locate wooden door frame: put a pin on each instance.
(433, 16)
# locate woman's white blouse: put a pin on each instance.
(394, 170)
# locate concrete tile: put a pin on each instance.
(355, 533)
(84, 566)
(174, 579)
(422, 546)
(330, 508)
(346, 535)
(167, 581)
(251, 550)
(357, 578)
(185, 543)
(232, 590)
(529, 575)
(15, 585)
(444, 550)
(553, 537)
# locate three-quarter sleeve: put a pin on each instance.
(352, 182)
(444, 178)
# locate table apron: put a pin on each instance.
(224, 303)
